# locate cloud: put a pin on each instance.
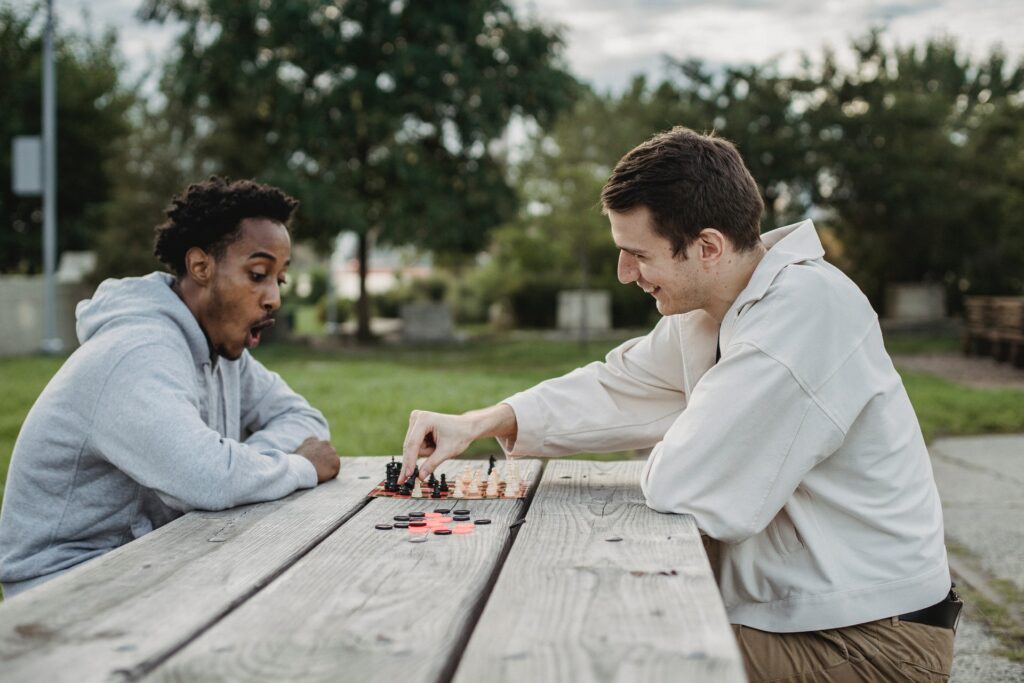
(609, 41)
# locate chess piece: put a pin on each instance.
(444, 484)
(490, 465)
(436, 489)
(392, 471)
(417, 490)
(512, 486)
(474, 484)
(460, 489)
(492, 484)
(466, 475)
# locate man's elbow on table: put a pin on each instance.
(719, 522)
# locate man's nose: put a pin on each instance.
(627, 270)
(272, 300)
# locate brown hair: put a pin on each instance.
(689, 182)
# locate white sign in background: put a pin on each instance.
(27, 158)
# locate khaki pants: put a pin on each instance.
(883, 650)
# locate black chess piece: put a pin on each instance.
(392, 471)
(436, 493)
(444, 484)
(406, 488)
(490, 465)
(432, 481)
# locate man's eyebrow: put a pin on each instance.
(266, 255)
(630, 250)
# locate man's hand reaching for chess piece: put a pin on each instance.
(439, 437)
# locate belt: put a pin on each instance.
(942, 614)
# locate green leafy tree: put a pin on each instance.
(904, 136)
(384, 118)
(993, 182)
(91, 120)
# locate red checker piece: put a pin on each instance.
(419, 529)
(463, 529)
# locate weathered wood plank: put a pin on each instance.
(570, 604)
(363, 605)
(118, 614)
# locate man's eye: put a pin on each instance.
(257, 277)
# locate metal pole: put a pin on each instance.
(51, 341)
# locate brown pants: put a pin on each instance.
(884, 650)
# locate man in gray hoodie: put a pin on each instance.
(161, 409)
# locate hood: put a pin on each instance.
(140, 300)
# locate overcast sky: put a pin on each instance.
(611, 40)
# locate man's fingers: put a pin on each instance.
(438, 457)
(414, 440)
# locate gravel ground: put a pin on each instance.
(974, 658)
(981, 483)
(969, 370)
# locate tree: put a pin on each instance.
(91, 120)
(905, 136)
(384, 118)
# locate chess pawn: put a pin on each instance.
(492, 484)
(467, 475)
(512, 486)
(417, 490)
(460, 489)
(474, 484)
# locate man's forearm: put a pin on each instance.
(497, 421)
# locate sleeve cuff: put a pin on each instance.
(303, 470)
(529, 426)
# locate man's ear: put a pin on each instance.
(199, 265)
(711, 244)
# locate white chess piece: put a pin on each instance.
(460, 489)
(512, 486)
(417, 490)
(492, 483)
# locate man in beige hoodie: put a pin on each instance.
(774, 417)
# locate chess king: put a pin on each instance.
(773, 414)
(162, 409)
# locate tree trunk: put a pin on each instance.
(363, 333)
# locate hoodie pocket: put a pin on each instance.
(783, 535)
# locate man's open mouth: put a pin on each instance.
(253, 340)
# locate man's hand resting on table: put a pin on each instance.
(322, 455)
(439, 437)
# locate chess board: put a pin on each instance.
(379, 492)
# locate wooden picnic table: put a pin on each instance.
(305, 588)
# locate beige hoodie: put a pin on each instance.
(799, 449)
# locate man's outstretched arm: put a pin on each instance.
(439, 437)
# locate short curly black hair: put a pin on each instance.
(209, 214)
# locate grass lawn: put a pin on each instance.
(367, 394)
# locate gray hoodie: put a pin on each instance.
(139, 426)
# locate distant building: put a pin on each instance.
(389, 267)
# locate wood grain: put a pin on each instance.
(363, 605)
(573, 604)
(115, 616)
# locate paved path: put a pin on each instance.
(981, 481)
